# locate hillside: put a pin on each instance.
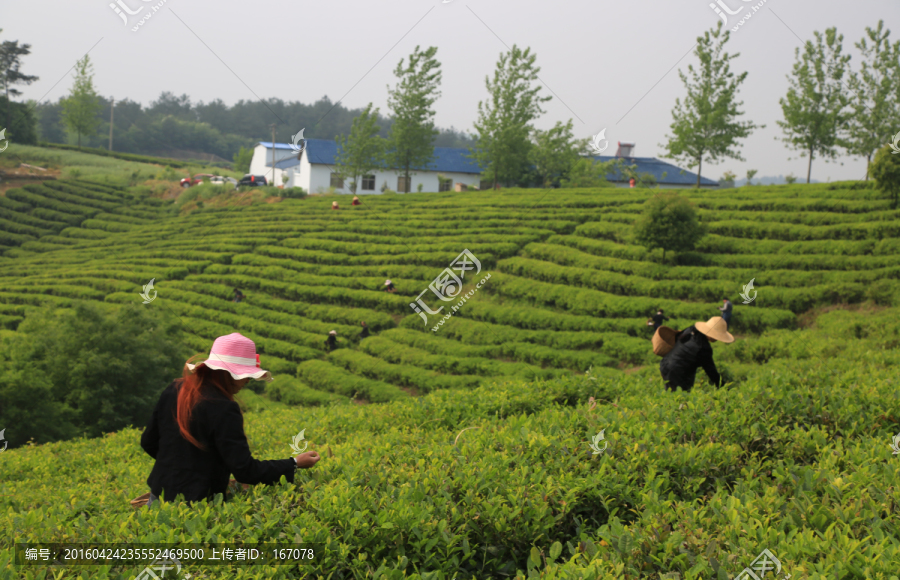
(794, 455)
(567, 289)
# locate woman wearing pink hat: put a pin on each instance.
(197, 435)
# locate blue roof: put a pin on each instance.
(323, 151)
(455, 160)
(285, 163)
(674, 174)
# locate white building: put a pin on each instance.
(313, 169)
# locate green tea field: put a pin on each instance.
(459, 447)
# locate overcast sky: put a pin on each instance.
(607, 64)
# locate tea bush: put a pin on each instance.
(796, 460)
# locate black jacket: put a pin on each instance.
(692, 350)
(364, 333)
(181, 467)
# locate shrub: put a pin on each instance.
(883, 292)
(885, 171)
(91, 369)
(669, 222)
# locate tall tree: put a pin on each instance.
(553, 153)
(875, 94)
(814, 107)
(363, 150)
(10, 61)
(411, 138)
(80, 109)
(706, 123)
(504, 122)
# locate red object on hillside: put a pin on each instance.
(195, 179)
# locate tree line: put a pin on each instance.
(828, 107)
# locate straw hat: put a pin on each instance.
(334, 204)
(715, 328)
(333, 332)
(387, 282)
(355, 198)
(237, 355)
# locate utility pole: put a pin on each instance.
(273, 154)
(112, 107)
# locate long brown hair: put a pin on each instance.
(189, 393)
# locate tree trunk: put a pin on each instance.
(699, 169)
(868, 162)
(79, 139)
(809, 168)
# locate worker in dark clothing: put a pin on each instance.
(196, 433)
(365, 331)
(355, 201)
(692, 351)
(238, 295)
(657, 319)
(389, 286)
(331, 341)
(725, 309)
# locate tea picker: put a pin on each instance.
(196, 433)
(686, 351)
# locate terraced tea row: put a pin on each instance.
(568, 289)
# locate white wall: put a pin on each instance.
(263, 155)
(317, 179)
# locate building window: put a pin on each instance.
(337, 181)
(403, 184)
(444, 183)
(368, 183)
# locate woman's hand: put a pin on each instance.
(307, 460)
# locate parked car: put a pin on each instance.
(253, 180)
(220, 180)
(195, 180)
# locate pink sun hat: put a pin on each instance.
(237, 355)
